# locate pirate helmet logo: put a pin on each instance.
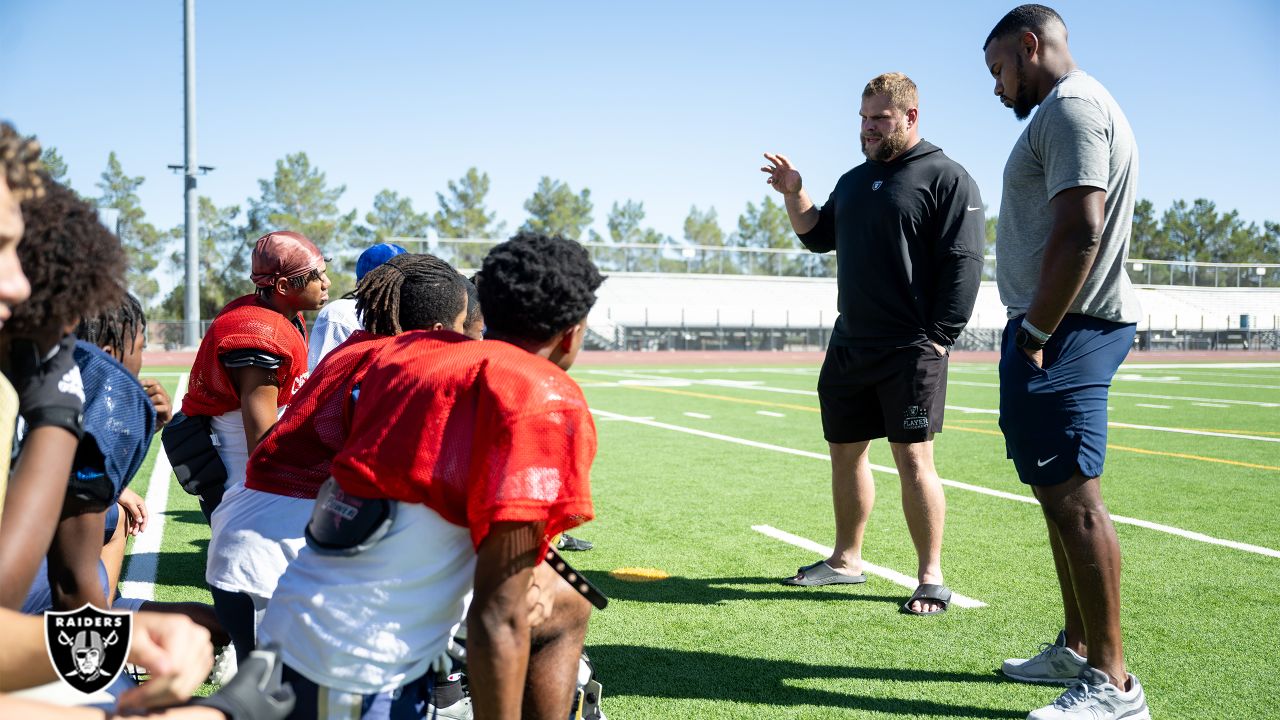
(88, 646)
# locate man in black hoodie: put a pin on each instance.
(908, 230)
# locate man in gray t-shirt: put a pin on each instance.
(1061, 243)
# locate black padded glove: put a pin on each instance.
(50, 391)
(256, 692)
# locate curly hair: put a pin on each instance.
(76, 265)
(410, 291)
(116, 328)
(20, 164)
(534, 286)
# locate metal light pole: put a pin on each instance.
(191, 337)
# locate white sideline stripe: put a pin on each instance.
(1149, 405)
(166, 373)
(140, 580)
(1199, 537)
(700, 416)
(1217, 405)
(769, 413)
(892, 576)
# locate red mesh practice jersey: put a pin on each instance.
(245, 323)
(296, 455)
(480, 432)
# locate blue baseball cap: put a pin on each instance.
(375, 256)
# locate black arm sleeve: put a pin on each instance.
(251, 357)
(958, 259)
(822, 237)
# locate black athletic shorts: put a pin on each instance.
(893, 392)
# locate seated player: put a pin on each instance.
(336, 321)
(74, 265)
(253, 358)
(175, 648)
(463, 459)
(258, 527)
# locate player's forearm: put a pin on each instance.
(24, 662)
(956, 292)
(497, 658)
(17, 707)
(32, 505)
(801, 211)
(1068, 257)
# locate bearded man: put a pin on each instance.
(908, 230)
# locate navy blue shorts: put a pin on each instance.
(1055, 418)
(408, 702)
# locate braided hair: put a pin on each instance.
(115, 329)
(411, 291)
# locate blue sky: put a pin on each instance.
(668, 103)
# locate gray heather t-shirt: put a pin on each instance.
(1078, 138)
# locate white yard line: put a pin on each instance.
(991, 411)
(1145, 396)
(768, 413)
(1188, 534)
(1197, 366)
(1214, 405)
(699, 416)
(1125, 377)
(140, 579)
(1188, 431)
(892, 576)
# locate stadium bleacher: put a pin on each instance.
(673, 310)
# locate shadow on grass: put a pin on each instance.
(708, 591)
(194, 517)
(627, 670)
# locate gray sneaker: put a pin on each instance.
(1093, 697)
(1055, 664)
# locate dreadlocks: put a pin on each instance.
(116, 328)
(20, 164)
(410, 292)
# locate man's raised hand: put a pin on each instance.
(784, 178)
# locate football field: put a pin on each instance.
(717, 478)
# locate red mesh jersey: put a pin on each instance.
(480, 432)
(297, 453)
(245, 323)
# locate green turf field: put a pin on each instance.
(692, 459)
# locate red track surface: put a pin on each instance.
(748, 357)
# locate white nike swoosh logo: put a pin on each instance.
(1042, 463)
(969, 209)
